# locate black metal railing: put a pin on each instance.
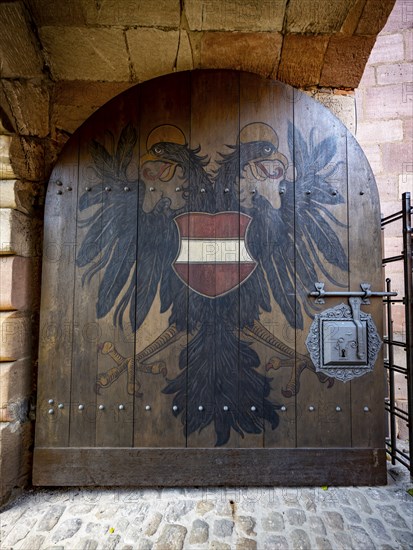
(393, 410)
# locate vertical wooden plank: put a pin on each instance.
(116, 342)
(266, 108)
(214, 125)
(164, 117)
(56, 319)
(319, 422)
(366, 267)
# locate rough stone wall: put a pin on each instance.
(384, 104)
(20, 231)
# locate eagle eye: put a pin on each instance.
(158, 150)
(267, 149)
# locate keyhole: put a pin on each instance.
(343, 353)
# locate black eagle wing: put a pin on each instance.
(117, 239)
(300, 237)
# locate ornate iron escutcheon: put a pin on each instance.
(343, 341)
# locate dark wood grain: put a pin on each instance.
(56, 320)
(214, 467)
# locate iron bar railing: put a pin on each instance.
(405, 215)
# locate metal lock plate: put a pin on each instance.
(343, 341)
(341, 345)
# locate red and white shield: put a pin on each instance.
(213, 258)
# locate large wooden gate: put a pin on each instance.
(186, 223)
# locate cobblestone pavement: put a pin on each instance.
(213, 518)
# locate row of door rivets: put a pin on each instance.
(121, 407)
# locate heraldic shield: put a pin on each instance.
(213, 258)
(203, 207)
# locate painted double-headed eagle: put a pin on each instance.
(217, 248)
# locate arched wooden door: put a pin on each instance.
(186, 223)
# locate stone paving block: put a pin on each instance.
(334, 520)
(252, 52)
(152, 51)
(34, 542)
(275, 542)
(50, 518)
(391, 517)
(179, 509)
(342, 541)
(217, 545)
(20, 55)
(235, 15)
(316, 525)
(351, 515)
(66, 529)
(300, 539)
(323, 544)
(199, 532)
(172, 537)
(80, 53)
(223, 528)
(295, 516)
(204, 506)
(152, 524)
(246, 524)
(273, 522)
(360, 537)
(377, 529)
(360, 502)
(19, 531)
(246, 544)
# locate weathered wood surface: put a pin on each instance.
(205, 466)
(203, 208)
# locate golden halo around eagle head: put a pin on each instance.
(155, 152)
(260, 131)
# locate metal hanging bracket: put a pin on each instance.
(364, 294)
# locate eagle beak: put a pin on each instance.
(163, 170)
(272, 167)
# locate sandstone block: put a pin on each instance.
(388, 102)
(93, 94)
(15, 335)
(408, 45)
(29, 103)
(184, 61)
(6, 125)
(19, 283)
(145, 13)
(387, 49)
(18, 194)
(345, 60)
(77, 53)
(19, 234)
(396, 73)
(6, 170)
(369, 77)
(253, 52)
(15, 457)
(27, 158)
(20, 56)
(15, 389)
(374, 16)
(380, 131)
(152, 51)
(373, 154)
(302, 59)
(397, 157)
(235, 15)
(317, 16)
(405, 184)
(342, 106)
